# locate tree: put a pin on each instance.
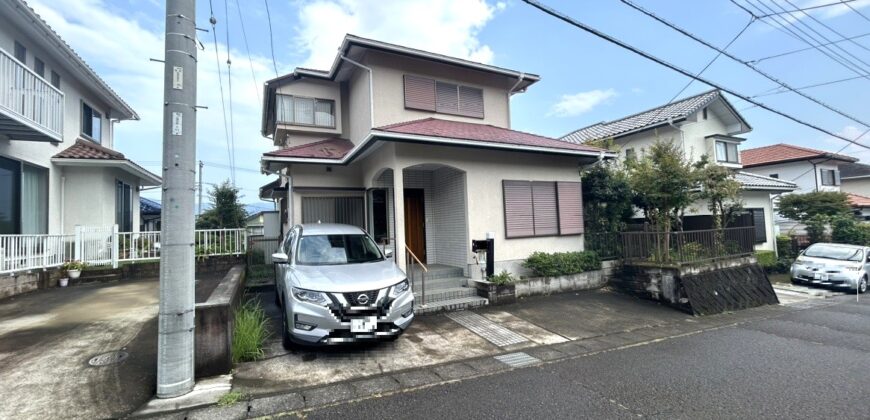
(717, 185)
(226, 211)
(606, 198)
(803, 207)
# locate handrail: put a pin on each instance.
(409, 269)
(416, 259)
(27, 69)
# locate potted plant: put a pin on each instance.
(73, 268)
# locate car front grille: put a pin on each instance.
(356, 298)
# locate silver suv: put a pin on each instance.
(336, 286)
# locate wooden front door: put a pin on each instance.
(415, 222)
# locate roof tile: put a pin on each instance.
(751, 181)
(331, 148)
(85, 149)
(858, 200)
(778, 153)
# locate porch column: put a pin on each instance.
(399, 215)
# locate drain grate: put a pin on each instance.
(518, 359)
(492, 332)
(110, 358)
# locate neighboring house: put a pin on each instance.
(855, 178)
(704, 124)
(58, 168)
(417, 147)
(149, 215)
(265, 223)
(810, 169)
(860, 206)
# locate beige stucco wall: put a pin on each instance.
(750, 199)
(89, 197)
(313, 88)
(860, 186)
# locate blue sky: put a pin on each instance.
(584, 79)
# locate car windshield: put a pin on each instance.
(834, 252)
(337, 249)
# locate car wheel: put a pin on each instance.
(862, 285)
(795, 282)
(285, 333)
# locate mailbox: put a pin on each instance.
(485, 250)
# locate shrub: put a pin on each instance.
(73, 265)
(784, 246)
(256, 257)
(250, 331)
(816, 229)
(502, 278)
(562, 263)
(846, 230)
(766, 258)
(772, 265)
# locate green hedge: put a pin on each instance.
(562, 263)
(772, 265)
(766, 258)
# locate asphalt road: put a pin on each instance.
(813, 363)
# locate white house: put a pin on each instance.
(809, 169)
(417, 147)
(704, 124)
(855, 178)
(58, 166)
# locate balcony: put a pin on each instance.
(30, 108)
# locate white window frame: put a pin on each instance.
(726, 145)
(278, 114)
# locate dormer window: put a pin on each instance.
(299, 110)
(726, 152)
(446, 98)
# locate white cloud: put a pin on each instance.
(444, 26)
(579, 103)
(122, 60)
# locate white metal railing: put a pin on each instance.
(28, 252)
(30, 97)
(105, 246)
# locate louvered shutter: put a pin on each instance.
(446, 98)
(836, 177)
(570, 208)
(419, 93)
(518, 216)
(471, 101)
(544, 208)
(760, 227)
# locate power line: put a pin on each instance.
(777, 91)
(230, 94)
(248, 51)
(828, 27)
(830, 158)
(271, 37)
(573, 22)
(758, 60)
(213, 22)
(846, 2)
(809, 8)
(731, 56)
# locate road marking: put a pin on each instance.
(518, 359)
(492, 332)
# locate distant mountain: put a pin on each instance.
(252, 208)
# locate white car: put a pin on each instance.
(336, 286)
(837, 265)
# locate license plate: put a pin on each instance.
(362, 325)
(817, 276)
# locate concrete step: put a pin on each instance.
(437, 295)
(440, 271)
(440, 283)
(93, 278)
(452, 305)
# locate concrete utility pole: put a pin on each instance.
(175, 349)
(199, 186)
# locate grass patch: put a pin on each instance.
(230, 398)
(250, 332)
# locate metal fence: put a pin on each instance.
(30, 97)
(259, 257)
(608, 245)
(688, 246)
(104, 245)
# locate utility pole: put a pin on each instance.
(199, 207)
(175, 347)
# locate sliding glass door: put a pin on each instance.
(23, 198)
(10, 186)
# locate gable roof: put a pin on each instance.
(650, 118)
(33, 24)
(783, 153)
(854, 170)
(750, 181)
(434, 127)
(331, 148)
(85, 149)
(87, 153)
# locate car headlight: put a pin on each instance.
(309, 296)
(399, 288)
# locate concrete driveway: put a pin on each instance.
(48, 337)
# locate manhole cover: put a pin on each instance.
(110, 358)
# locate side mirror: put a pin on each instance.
(388, 253)
(279, 258)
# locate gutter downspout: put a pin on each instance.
(62, 201)
(682, 134)
(816, 176)
(519, 80)
(371, 87)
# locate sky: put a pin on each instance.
(585, 79)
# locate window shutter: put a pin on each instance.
(836, 177)
(544, 208)
(471, 101)
(570, 208)
(760, 227)
(518, 216)
(446, 98)
(419, 93)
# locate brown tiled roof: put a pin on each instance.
(331, 148)
(86, 149)
(434, 127)
(781, 153)
(858, 200)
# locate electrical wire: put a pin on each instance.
(230, 94)
(840, 150)
(846, 3)
(750, 66)
(826, 26)
(271, 37)
(213, 22)
(810, 8)
(758, 60)
(573, 22)
(777, 91)
(248, 50)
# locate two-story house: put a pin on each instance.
(417, 148)
(809, 169)
(58, 168)
(704, 124)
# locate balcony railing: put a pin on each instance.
(33, 105)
